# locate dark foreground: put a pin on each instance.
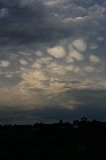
(56, 141)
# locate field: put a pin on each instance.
(52, 142)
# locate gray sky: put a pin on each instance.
(52, 60)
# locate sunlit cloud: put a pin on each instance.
(20, 99)
(8, 75)
(57, 52)
(69, 59)
(94, 59)
(23, 53)
(89, 69)
(39, 53)
(34, 75)
(4, 63)
(75, 20)
(55, 66)
(23, 61)
(40, 80)
(44, 60)
(51, 3)
(80, 45)
(76, 55)
(73, 68)
(36, 65)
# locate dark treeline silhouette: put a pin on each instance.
(84, 123)
(79, 140)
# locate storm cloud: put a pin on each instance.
(52, 59)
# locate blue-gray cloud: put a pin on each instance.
(41, 21)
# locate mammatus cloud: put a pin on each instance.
(23, 62)
(76, 55)
(80, 45)
(4, 63)
(52, 55)
(46, 75)
(89, 69)
(94, 59)
(57, 52)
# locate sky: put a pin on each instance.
(52, 60)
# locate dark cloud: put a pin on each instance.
(89, 3)
(35, 21)
(21, 21)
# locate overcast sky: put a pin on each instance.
(52, 60)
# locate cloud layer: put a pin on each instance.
(52, 56)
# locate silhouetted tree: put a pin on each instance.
(60, 122)
(84, 119)
(83, 122)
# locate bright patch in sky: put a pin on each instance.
(57, 52)
(4, 63)
(80, 45)
(94, 59)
